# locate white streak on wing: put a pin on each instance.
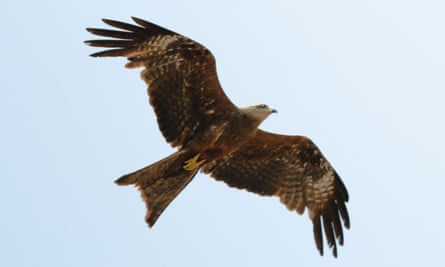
(162, 41)
(156, 45)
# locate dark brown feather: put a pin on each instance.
(181, 74)
(112, 43)
(318, 235)
(124, 26)
(111, 33)
(292, 168)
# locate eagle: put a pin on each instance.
(217, 137)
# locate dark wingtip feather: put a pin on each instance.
(344, 214)
(151, 26)
(318, 235)
(111, 43)
(141, 22)
(334, 251)
(90, 30)
(98, 54)
(113, 33)
(341, 188)
(112, 53)
(123, 25)
(335, 218)
(329, 232)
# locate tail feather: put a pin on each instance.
(160, 183)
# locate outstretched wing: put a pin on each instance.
(292, 168)
(181, 74)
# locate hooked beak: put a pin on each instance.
(272, 110)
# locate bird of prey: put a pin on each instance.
(217, 137)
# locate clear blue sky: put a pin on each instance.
(363, 79)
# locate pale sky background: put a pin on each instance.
(364, 79)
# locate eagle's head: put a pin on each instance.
(259, 112)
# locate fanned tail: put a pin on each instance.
(160, 183)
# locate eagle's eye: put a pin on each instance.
(262, 106)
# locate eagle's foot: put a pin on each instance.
(193, 163)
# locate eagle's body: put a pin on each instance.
(217, 137)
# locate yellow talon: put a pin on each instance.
(193, 163)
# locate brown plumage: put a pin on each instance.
(214, 135)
